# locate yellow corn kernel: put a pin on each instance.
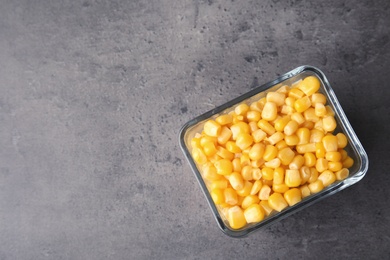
(246, 172)
(341, 140)
(291, 140)
(256, 173)
(329, 123)
(256, 187)
(236, 217)
(330, 143)
(266, 127)
(329, 111)
(308, 124)
(270, 111)
(327, 178)
(321, 164)
(231, 197)
(316, 136)
(236, 165)
(253, 116)
(298, 117)
(313, 175)
(244, 141)
(209, 172)
(225, 154)
(276, 97)
(232, 147)
(348, 162)
(281, 123)
(195, 142)
(310, 159)
(254, 213)
(335, 166)
(276, 137)
(257, 163)
(280, 188)
(241, 109)
(277, 202)
(320, 110)
(236, 181)
(293, 196)
(274, 163)
(305, 174)
(218, 196)
(264, 192)
(302, 104)
(270, 152)
(224, 119)
(239, 128)
(283, 89)
(258, 135)
(281, 144)
(278, 176)
(295, 93)
(199, 155)
(303, 135)
(253, 126)
(246, 190)
(262, 101)
(212, 128)
(305, 191)
(297, 162)
(320, 150)
(316, 186)
(219, 184)
(309, 85)
(209, 149)
(306, 148)
(292, 178)
(224, 167)
(318, 98)
(267, 173)
(249, 200)
(318, 125)
(343, 153)
(291, 127)
(245, 160)
(224, 136)
(289, 101)
(310, 115)
(237, 119)
(207, 139)
(257, 151)
(267, 208)
(333, 156)
(287, 110)
(215, 157)
(342, 174)
(256, 106)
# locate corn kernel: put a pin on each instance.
(258, 135)
(280, 188)
(253, 126)
(329, 111)
(335, 166)
(310, 115)
(241, 109)
(253, 116)
(270, 111)
(320, 110)
(341, 140)
(276, 97)
(256, 187)
(262, 101)
(257, 163)
(232, 147)
(239, 128)
(330, 143)
(245, 160)
(256, 106)
(327, 178)
(309, 85)
(267, 208)
(224, 119)
(278, 176)
(318, 98)
(231, 197)
(321, 164)
(316, 136)
(342, 174)
(306, 148)
(283, 89)
(256, 173)
(305, 174)
(333, 156)
(199, 156)
(297, 162)
(289, 101)
(206, 139)
(257, 151)
(320, 150)
(281, 145)
(219, 184)
(218, 196)
(266, 127)
(305, 191)
(249, 200)
(236, 181)
(292, 178)
(303, 135)
(287, 110)
(236, 217)
(244, 141)
(310, 159)
(246, 172)
(246, 190)
(209, 149)
(347, 163)
(281, 123)
(295, 93)
(316, 186)
(302, 104)
(343, 153)
(274, 163)
(308, 124)
(210, 172)
(298, 117)
(212, 128)
(313, 175)
(293, 196)
(225, 154)
(329, 123)
(224, 136)
(277, 202)
(195, 142)
(224, 167)
(291, 140)
(254, 213)
(270, 152)
(264, 192)
(291, 127)
(267, 173)
(276, 137)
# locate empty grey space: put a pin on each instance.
(93, 95)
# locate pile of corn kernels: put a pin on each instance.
(272, 153)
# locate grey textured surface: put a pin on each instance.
(93, 94)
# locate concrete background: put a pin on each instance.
(93, 94)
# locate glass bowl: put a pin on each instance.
(354, 148)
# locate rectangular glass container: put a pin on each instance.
(355, 149)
